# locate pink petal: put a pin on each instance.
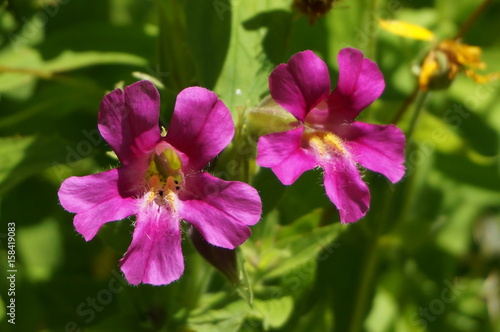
(220, 210)
(346, 189)
(128, 120)
(283, 153)
(301, 84)
(155, 254)
(96, 200)
(378, 148)
(201, 126)
(360, 83)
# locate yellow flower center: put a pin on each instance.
(324, 143)
(164, 177)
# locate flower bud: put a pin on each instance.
(268, 117)
(313, 8)
(436, 71)
(222, 259)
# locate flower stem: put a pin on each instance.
(361, 300)
(402, 110)
(372, 33)
(370, 263)
(472, 18)
(419, 105)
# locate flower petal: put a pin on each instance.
(155, 254)
(96, 200)
(360, 83)
(128, 120)
(408, 30)
(301, 84)
(378, 148)
(346, 189)
(220, 210)
(201, 126)
(283, 153)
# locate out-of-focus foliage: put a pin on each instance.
(425, 258)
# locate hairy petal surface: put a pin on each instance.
(155, 254)
(220, 210)
(379, 148)
(360, 83)
(128, 120)
(96, 200)
(201, 126)
(301, 84)
(346, 189)
(283, 153)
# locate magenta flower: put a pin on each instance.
(326, 135)
(161, 181)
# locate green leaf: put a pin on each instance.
(384, 312)
(209, 41)
(305, 195)
(229, 318)
(16, 81)
(69, 60)
(243, 80)
(53, 102)
(233, 317)
(274, 312)
(175, 57)
(117, 234)
(40, 248)
(297, 245)
(269, 187)
(24, 156)
(482, 176)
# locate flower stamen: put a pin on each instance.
(164, 177)
(324, 143)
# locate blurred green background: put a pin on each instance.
(425, 258)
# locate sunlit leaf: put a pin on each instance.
(274, 312)
(24, 156)
(69, 60)
(40, 247)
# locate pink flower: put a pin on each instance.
(161, 181)
(326, 135)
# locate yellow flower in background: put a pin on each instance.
(403, 29)
(445, 60)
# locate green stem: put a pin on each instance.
(419, 105)
(472, 18)
(402, 110)
(372, 40)
(361, 301)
